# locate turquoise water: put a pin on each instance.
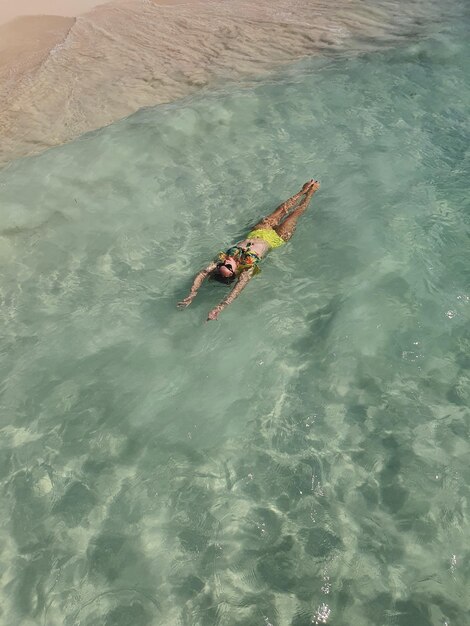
(304, 460)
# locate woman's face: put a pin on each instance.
(228, 268)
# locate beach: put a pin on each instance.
(70, 8)
(303, 459)
(65, 75)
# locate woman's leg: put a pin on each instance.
(286, 229)
(274, 218)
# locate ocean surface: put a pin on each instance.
(303, 460)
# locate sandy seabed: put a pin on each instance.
(64, 75)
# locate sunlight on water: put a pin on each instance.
(304, 460)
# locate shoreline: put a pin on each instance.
(61, 77)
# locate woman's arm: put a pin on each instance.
(240, 285)
(199, 279)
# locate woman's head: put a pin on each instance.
(226, 270)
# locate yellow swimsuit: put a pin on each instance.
(269, 235)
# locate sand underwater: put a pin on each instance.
(303, 460)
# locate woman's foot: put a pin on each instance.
(311, 186)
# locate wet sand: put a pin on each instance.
(63, 76)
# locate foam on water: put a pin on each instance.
(304, 459)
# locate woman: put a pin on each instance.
(241, 261)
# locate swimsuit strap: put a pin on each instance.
(247, 258)
(235, 251)
(244, 254)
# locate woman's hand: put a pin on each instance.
(214, 314)
(186, 302)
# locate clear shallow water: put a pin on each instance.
(305, 459)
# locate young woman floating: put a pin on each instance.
(241, 261)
